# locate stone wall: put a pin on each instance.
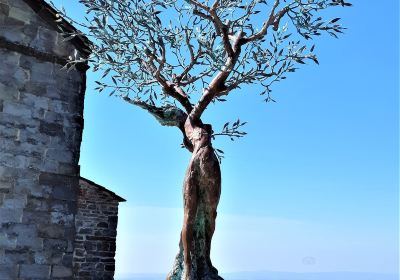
(96, 225)
(41, 123)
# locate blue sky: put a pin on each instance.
(316, 178)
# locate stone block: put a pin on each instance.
(4, 9)
(59, 155)
(27, 236)
(59, 106)
(61, 271)
(14, 201)
(50, 166)
(35, 88)
(42, 72)
(35, 271)
(64, 192)
(102, 225)
(8, 272)
(30, 186)
(47, 257)
(9, 58)
(7, 241)
(8, 172)
(21, 76)
(41, 257)
(34, 101)
(30, 30)
(61, 218)
(51, 231)
(20, 14)
(18, 256)
(17, 109)
(52, 179)
(37, 204)
(8, 92)
(10, 215)
(12, 30)
(45, 40)
(2, 255)
(67, 260)
(55, 245)
(68, 169)
(109, 267)
(5, 186)
(36, 217)
(70, 247)
(51, 129)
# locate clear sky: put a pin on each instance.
(313, 186)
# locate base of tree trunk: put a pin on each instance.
(201, 266)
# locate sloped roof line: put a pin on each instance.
(120, 199)
(50, 15)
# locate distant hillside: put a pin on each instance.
(280, 276)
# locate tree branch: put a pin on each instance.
(169, 88)
(273, 19)
(167, 115)
(217, 85)
(200, 5)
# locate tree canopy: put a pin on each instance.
(174, 57)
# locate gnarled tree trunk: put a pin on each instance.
(201, 192)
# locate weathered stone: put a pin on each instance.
(42, 73)
(51, 231)
(99, 266)
(35, 271)
(45, 39)
(59, 156)
(55, 245)
(64, 192)
(8, 92)
(36, 217)
(34, 101)
(16, 109)
(7, 241)
(51, 129)
(102, 225)
(37, 204)
(41, 109)
(61, 218)
(4, 9)
(19, 14)
(14, 201)
(109, 267)
(9, 272)
(5, 186)
(27, 236)
(61, 271)
(21, 76)
(18, 256)
(10, 215)
(34, 189)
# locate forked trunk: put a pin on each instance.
(201, 192)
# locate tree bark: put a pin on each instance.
(201, 193)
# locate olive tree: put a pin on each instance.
(173, 58)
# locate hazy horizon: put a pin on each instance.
(270, 275)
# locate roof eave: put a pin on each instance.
(120, 199)
(50, 15)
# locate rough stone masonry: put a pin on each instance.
(41, 123)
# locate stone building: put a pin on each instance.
(96, 229)
(50, 225)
